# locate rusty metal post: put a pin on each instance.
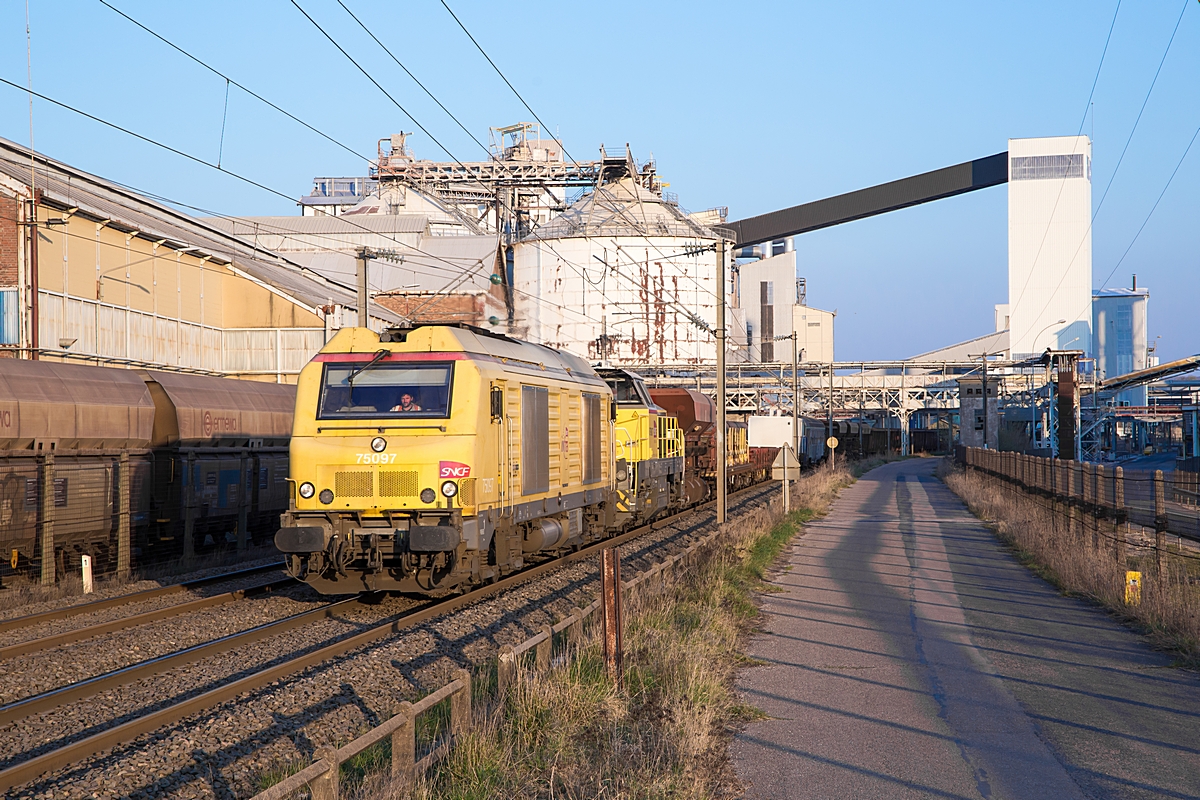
(404, 747)
(46, 516)
(124, 498)
(610, 588)
(1160, 520)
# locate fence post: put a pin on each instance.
(506, 669)
(404, 747)
(325, 786)
(46, 516)
(1119, 515)
(542, 650)
(1072, 490)
(460, 705)
(1099, 501)
(1087, 499)
(1160, 519)
(610, 584)
(124, 498)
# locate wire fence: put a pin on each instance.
(1161, 503)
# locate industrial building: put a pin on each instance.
(91, 271)
(1119, 337)
(622, 275)
(1049, 244)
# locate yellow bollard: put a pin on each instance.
(1133, 588)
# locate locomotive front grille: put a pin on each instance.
(398, 483)
(358, 483)
(466, 492)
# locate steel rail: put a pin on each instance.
(97, 605)
(27, 771)
(41, 703)
(69, 637)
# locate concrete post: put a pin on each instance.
(46, 516)
(542, 650)
(326, 786)
(124, 498)
(506, 669)
(460, 705)
(719, 440)
(404, 748)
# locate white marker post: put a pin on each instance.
(86, 564)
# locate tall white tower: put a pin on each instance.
(1049, 244)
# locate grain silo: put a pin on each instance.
(622, 275)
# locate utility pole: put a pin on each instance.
(720, 438)
(363, 254)
(795, 396)
(832, 450)
(985, 401)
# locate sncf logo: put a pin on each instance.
(453, 469)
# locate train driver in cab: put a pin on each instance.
(407, 403)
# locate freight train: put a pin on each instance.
(432, 458)
(205, 461)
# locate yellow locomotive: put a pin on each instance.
(439, 456)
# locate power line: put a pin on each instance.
(503, 77)
(1187, 150)
(1113, 177)
(414, 77)
(1063, 183)
(378, 85)
(230, 80)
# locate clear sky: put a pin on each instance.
(750, 105)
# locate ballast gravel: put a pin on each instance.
(224, 752)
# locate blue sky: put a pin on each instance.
(754, 105)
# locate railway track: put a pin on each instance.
(127, 599)
(171, 712)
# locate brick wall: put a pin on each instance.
(10, 241)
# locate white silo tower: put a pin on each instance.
(622, 275)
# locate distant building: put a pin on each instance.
(972, 410)
(814, 333)
(767, 292)
(1119, 337)
(1049, 244)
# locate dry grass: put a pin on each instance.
(1084, 561)
(570, 733)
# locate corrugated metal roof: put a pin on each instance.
(322, 223)
(72, 188)
(464, 262)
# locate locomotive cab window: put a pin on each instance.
(386, 391)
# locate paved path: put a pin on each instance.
(908, 655)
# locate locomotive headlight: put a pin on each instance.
(622, 474)
(379, 444)
(307, 490)
(427, 496)
(449, 488)
(326, 496)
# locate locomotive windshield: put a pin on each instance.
(386, 391)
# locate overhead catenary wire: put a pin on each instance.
(1062, 184)
(1124, 150)
(407, 72)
